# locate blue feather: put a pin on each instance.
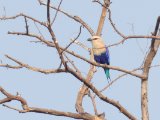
(104, 58)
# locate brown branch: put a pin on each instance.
(12, 97)
(60, 113)
(103, 16)
(82, 58)
(56, 12)
(53, 34)
(144, 83)
(81, 45)
(97, 1)
(23, 15)
(48, 12)
(76, 18)
(122, 75)
(27, 27)
(84, 89)
(26, 108)
(45, 71)
(72, 41)
(113, 25)
(93, 102)
(38, 30)
(132, 37)
(10, 66)
(72, 63)
(101, 96)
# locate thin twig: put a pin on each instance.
(102, 18)
(26, 108)
(56, 12)
(27, 27)
(45, 71)
(38, 30)
(76, 18)
(83, 58)
(113, 25)
(72, 63)
(93, 102)
(132, 37)
(80, 44)
(23, 15)
(73, 40)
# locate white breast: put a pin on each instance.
(98, 47)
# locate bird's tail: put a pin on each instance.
(107, 73)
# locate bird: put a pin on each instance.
(100, 52)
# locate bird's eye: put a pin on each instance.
(94, 38)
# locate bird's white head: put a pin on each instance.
(94, 38)
(98, 45)
(96, 41)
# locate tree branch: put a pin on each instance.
(103, 16)
(26, 108)
(144, 83)
(76, 18)
(101, 96)
(45, 71)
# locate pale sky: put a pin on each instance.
(59, 91)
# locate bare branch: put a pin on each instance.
(72, 63)
(27, 27)
(103, 16)
(122, 75)
(76, 18)
(45, 71)
(39, 30)
(101, 96)
(144, 83)
(23, 15)
(84, 89)
(12, 97)
(26, 108)
(10, 66)
(82, 58)
(113, 25)
(81, 44)
(132, 37)
(73, 40)
(93, 102)
(56, 12)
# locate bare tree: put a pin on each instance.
(67, 63)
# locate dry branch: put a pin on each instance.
(84, 89)
(26, 108)
(23, 15)
(101, 96)
(144, 83)
(23, 65)
(80, 57)
(103, 16)
(76, 18)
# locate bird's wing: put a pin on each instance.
(97, 58)
(107, 56)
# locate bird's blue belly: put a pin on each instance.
(102, 59)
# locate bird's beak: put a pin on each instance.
(89, 39)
